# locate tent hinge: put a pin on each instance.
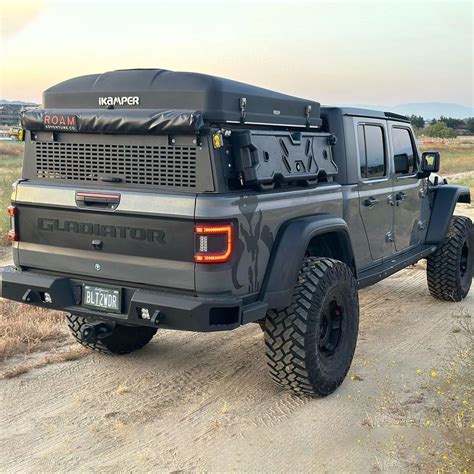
(243, 106)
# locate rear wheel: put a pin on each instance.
(310, 344)
(122, 340)
(449, 269)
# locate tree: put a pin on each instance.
(440, 130)
(470, 124)
(417, 121)
(451, 122)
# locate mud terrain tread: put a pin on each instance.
(123, 340)
(443, 265)
(286, 330)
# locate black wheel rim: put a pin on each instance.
(330, 333)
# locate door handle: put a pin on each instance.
(97, 200)
(400, 196)
(371, 202)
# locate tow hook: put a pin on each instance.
(92, 332)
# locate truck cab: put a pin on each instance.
(386, 198)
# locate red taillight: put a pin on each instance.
(213, 243)
(12, 233)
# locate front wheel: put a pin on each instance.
(449, 269)
(310, 344)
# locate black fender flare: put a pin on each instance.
(444, 201)
(288, 252)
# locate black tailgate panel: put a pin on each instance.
(121, 234)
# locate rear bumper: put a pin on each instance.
(167, 310)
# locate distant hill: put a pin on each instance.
(15, 102)
(428, 110)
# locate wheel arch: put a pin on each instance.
(444, 201)
(320, 235)
(333, 243)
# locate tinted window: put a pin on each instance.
(375, 151)
(371, 151)
(402, 145)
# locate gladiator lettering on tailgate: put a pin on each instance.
(102, 230)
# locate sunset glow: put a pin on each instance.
(383, 52)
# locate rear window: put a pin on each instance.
(373, 160)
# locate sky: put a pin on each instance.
(339, 52)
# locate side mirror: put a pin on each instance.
(430, 162)
(402, 166)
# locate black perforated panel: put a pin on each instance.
(155, 165)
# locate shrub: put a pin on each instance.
(440, 130)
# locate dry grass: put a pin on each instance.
(454, 408)
(442, 408)
(464, 181)
(73, 353)
(11, 149)
(26, 329)
(30, 337)
(457, 154)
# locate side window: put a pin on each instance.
(403, 151)
(373, 162)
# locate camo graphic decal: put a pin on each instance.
(239, 250)
(254, 234)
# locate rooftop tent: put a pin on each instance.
(147, 91)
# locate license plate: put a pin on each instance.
(97, 297)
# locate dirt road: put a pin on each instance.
(204, 401)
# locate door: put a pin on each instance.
(408, 189)
(375, 187)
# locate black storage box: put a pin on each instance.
(264, 159)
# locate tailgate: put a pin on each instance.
(143, 238)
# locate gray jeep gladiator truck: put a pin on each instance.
(155, 199)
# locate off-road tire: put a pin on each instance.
(294, 335)
(123, 340)
(449, 269)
